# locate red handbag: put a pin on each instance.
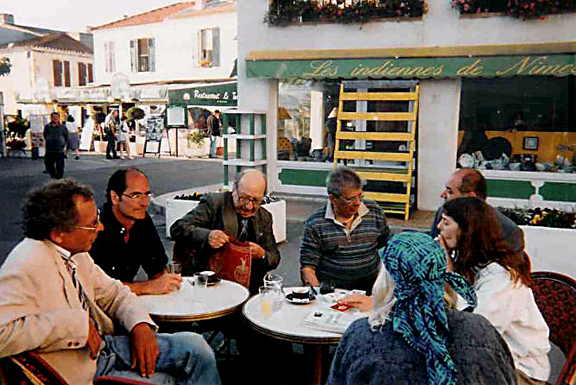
(232, 262)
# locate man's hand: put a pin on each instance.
(165, 283)
(360, 301)
(217, 239)
(160, 284)
(144, 349)
(94, 340)
(256, 251)
(308, 275)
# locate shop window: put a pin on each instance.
(303, 126)
(61, 73)
(110, 57)
(142, 53)
(209, 47)
(519, 123)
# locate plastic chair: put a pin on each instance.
(555, 296)
(29, 368)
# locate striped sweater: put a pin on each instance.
(349, 261)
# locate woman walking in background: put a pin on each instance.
(73, 140)
(471, 235)
(123, 138)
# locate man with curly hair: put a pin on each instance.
(55, 301)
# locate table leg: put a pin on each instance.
(317, 369)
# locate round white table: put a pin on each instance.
(287, 324)
(189, 304)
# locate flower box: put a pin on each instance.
(177, 208)
(551, 249)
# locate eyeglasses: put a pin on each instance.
(244, 200)
(349, 201)
(139, 195)
(94, 225)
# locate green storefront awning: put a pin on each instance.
(416, 67)
(222, 94)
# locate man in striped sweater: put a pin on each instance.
(341, 240)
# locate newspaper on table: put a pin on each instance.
(331, 320)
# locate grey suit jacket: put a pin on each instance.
(40, 309)
(216, 212)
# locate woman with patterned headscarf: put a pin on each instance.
(412, 336)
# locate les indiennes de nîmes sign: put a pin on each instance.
(434, 67)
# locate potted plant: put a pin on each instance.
(197, 145)
(99, 144)
(548, 236)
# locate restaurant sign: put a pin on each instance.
(222, 94)
(421, 68)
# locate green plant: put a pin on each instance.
(19, 126)
(284, 12)
(195, 137)
(523, 9)
(541, 217)
(135, 113)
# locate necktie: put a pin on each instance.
(77, 285)
(243, 237)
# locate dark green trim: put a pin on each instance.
(298, 177)
(252, 128)
(206, 95)
(514, 189)
(415, 67)
(562, 192)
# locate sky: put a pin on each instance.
(75, 15)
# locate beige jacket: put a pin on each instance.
(40, 309)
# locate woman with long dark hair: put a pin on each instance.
(472, 238)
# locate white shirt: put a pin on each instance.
(72, 127)
(511, 308)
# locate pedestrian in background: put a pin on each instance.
(214, 132)
(73, 141)
(56, 138)
(123, 131)
(110, 128)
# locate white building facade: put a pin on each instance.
(322, 55)
(192, 43)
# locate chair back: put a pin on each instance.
(555, 296)
(29, 368)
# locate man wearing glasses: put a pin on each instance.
(340, 242)
(55, 301)
(220, 216)
(129, 239)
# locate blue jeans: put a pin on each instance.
(184, 359)
(213, 145)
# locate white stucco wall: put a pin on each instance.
(29, 66)
(441, 26)
(176, 49)
(437, 145)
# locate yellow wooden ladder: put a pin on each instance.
(394, 164)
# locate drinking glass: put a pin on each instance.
(274, 281)
(175, 267)
(267, 298)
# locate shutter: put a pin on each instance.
(215, 47)
(112, 57)
(133, 56)
(151, 55)
(90, 74)
(81, 74)
(67, 74)
(57, 71)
